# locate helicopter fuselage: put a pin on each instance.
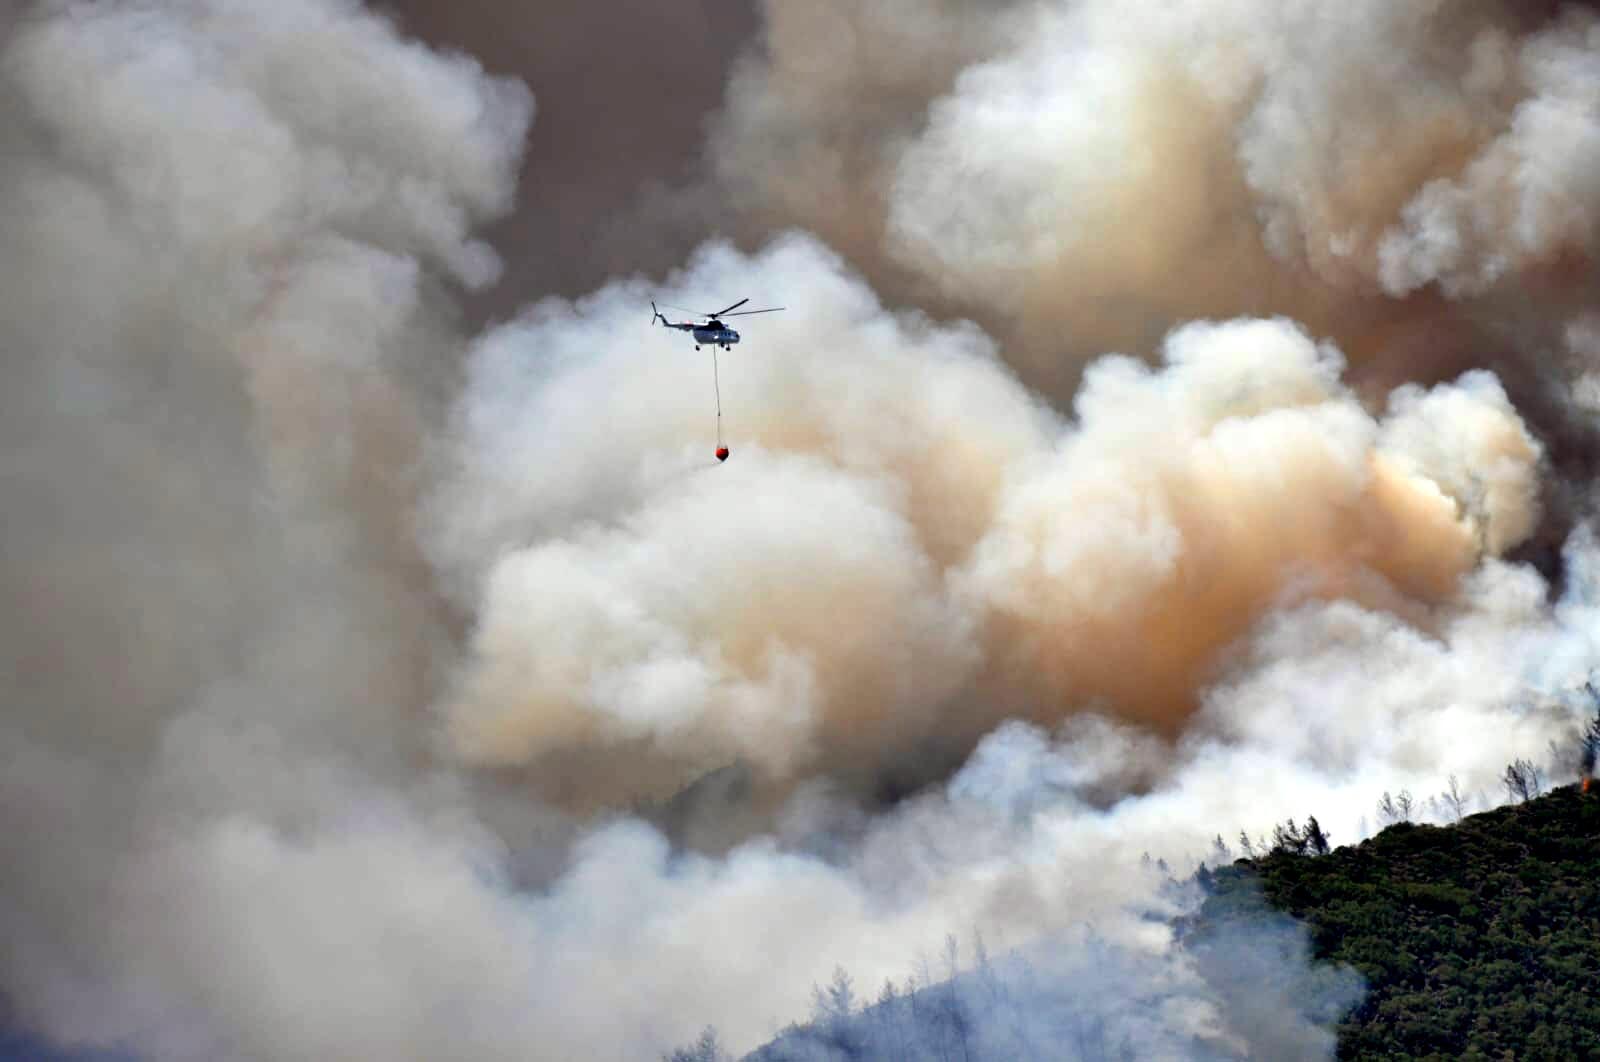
(718, 337)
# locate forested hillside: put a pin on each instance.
(1477, 940)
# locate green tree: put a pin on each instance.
(1475, 940)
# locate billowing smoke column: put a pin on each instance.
(226, 230)
(964, 554)
(1083, 176)
(378, 691)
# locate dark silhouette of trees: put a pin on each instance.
(1293, 839)
(1316, 839)
(1522, 780)
(1591, 733)
(1476, 940)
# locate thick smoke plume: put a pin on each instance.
(965, 553)
(226, 226)
(1084, 177)
(380, 690)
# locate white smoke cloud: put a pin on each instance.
(951, 531)
(1041, 835)
(698, 634)
(225, 227)
(1524, 201)
(620, 621)
(818, 110)
(332, 670)
(1085, 177)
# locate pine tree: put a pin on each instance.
(1591, 734)
(1316, 840)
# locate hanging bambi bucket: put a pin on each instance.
(722, 451)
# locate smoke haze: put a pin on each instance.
(625, 88)
(1166, 407)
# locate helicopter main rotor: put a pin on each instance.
(712, 318)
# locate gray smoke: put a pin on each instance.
(380, 690)
(1242, 992)
(226, 231)
(1083, 177)
(625, 89)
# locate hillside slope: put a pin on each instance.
(1478, 940)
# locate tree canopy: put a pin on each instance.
(1478, 940)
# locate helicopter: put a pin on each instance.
(712, 333)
